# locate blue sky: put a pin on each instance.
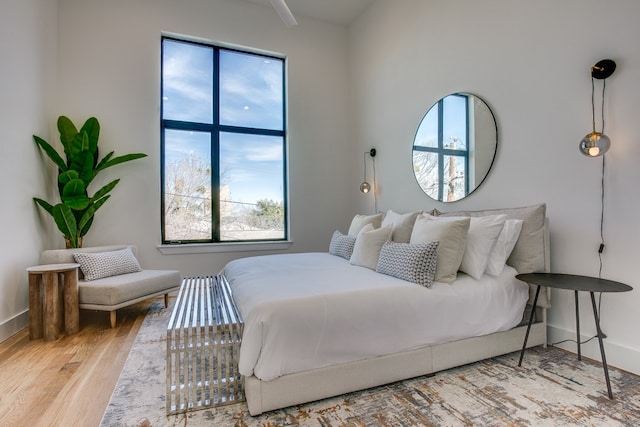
(454, 123)
(250, 95)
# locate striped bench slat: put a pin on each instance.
(203, 345)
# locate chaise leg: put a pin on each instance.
(166, 300)
(112, 318)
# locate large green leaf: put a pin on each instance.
(104, 190)
(76, 156)
(105, 159)
(87, 217)
(67, 176)
(117, 160)
(74, 194)
(68, 132)
(74, 187)
(85, 228)
(77, 203)
(92, 128)
(51, 152)
(84, 166)
(66, 223)
(45, 205)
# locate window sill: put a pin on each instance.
(205, 248)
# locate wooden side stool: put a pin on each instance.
(50, 304)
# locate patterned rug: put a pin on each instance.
(552, 388)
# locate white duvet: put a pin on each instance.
(310, 310)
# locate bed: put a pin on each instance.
(321, 324)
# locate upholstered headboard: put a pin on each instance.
(531, 253)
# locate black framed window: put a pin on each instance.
(442, 148)
(223, 142)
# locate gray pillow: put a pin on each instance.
(411, 262)
(341, 245)
(97, 265)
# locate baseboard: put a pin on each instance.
(13, 325)
(619, 356)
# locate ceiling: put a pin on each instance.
(341, 12)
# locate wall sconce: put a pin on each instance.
(365, 187)
(597, 143)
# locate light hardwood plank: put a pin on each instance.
(67, 381)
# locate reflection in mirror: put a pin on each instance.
(454, 147)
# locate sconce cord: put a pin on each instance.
(364, 160)
(604, 85)
(375, 189)
(601, 248)
(593, 104)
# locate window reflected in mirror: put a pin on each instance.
(454, 147)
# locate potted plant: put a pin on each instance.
(74, 214)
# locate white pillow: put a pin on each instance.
(528, 255)
(504, 246)
(402, 225)
(368, 245)
(360, 221)
(96, 265)
(483, 233)
(341, 245)
(411, 262)
(451, 233)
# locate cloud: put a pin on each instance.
(187, 81)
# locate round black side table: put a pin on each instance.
(574, 283)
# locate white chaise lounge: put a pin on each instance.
(114, 292)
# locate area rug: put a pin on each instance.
(552, 388)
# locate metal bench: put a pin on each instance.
(203, 346)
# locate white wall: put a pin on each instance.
(28, 38)
(109, 66)
(530, 61)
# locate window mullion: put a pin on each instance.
(440, 150)
(215, 150)
(466, 153)
(250, 131)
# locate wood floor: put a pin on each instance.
(67, 382)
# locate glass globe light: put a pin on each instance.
(365, 187)
(595, 144)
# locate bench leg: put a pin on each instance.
(166, 300)
(112, 318)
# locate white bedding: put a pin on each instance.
(310, 310)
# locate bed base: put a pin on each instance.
(335, 380)
(307, 386)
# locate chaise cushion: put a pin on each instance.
(115, 290)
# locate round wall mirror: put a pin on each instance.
(454, 147)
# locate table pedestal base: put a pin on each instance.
(598, 331)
